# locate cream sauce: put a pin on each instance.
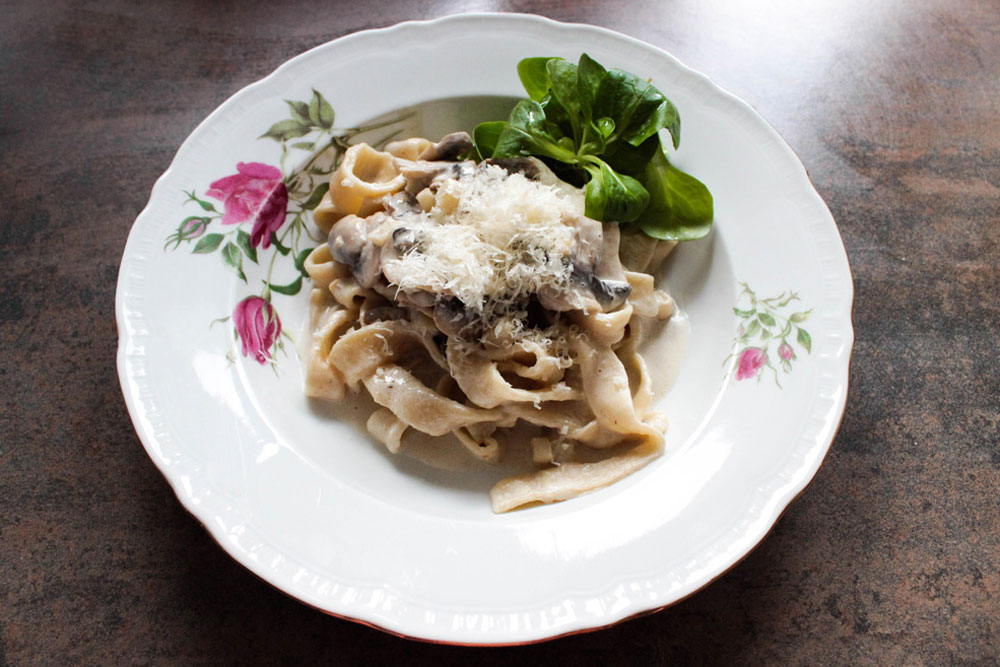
(664, 348)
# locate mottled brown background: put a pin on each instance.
(890, 557)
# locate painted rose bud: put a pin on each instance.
(256, 193)
(257, 326)
(785, 351)
(193, 228)
(751, 361)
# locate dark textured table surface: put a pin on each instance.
(889, 557)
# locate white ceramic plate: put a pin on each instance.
(309, 503)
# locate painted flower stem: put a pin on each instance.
(281, 239)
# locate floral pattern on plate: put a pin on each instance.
(264, 198)
(764, 322)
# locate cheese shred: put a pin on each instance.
(490, 239)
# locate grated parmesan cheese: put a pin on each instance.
(491, 239)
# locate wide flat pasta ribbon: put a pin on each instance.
(482, 382)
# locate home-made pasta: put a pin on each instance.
(466, 298)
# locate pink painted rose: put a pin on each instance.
(256, 193)
(751, 361)
(786, 352)
(258, 327)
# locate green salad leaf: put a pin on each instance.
(613, 196)
(611, 130)
(680, 206)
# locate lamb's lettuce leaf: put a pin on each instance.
(609, 129)
(680, 206)
(613, 196)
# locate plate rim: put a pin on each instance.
(805, 475)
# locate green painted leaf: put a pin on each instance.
(320, 111)
(316, 197)
(206, 206)
(300, 260)
(305, 145)
(232, 257)
(207, 244)
(766, 319)
(792, 296)
(800, 317)
(300, 111)
(787, 330)
(243, 241)
(290, 289)
(752, 329)
(277, 245)
(286, 129)
(805, 340)
(745, 313)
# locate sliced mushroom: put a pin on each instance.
(349, 244)
(452, 318)
(574, 296)
(422, 174)
(404, 240)
(382, 313)
(608, 281)
(610, 293)
(451, 147)
(417, 298)
(598, 280)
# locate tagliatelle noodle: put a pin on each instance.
(465, 299)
